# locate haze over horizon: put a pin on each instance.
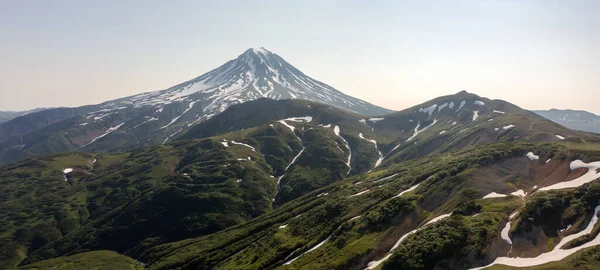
(535, 54)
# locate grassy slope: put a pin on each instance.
(355, 240)
(100, 260)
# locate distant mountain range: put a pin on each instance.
(154, 118)
(575, 119)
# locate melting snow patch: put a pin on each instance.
(374, 264)
(496, 129)
(475, 115)
(532, 157)
(238, 181)
(429, 109)
(513, 215)
(557, 253)
(408, 190)
(363, 121)
(385, 178)
(239, 143)
(494, 195)
(519, 193)
(499, 112)
(462, 104)
(504, 233)
(283, 226)
(417, 131)
(109, 131)
(441, 107)
(560, 137)
(375, 119)
(67, 170)
(479, 102)
(509, 126)
(336, 130)
(590, 176)
(322, 194)
(442, 132)
(548, 160)
(360, 193)
(225, 144)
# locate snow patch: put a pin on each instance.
(243, 144)
(532, 156)
(408, 190)
(504, 233)
(519, 193)
(557, 253)
(560, 137)
(494, 195)
(429, 109)
(479, 102)
(499, 112)
(375, 119)
(475, 115)
(360, 193)
(508, 127)
(590, 176)
(336, 130)
(417, 131)
(109, 131)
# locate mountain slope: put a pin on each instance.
(307, 185)
(8, 115)
(578, 120)
(154, 118)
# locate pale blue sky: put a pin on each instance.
(536, 54)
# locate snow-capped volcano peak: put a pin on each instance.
(257, 73)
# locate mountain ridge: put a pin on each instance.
(156, 117)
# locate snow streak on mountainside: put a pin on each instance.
(257, 73)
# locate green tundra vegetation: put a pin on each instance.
(245, 191)
(100, 259)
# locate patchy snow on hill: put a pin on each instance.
(532, 156)
(408, 190)
(591, 175)
(243, 144)
(374, 264)
(109, 131)
(375, 119)
(560, 137)
(475, 115)
(479, 102)
(508, 127)
(519, 193)
(336, 130)
(556, 254)
(504, 233)
(494, 195)
(360, 193)
(429, 109)
(500, 112)
(462, 104)
(417, 131)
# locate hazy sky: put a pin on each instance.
(536, 54)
